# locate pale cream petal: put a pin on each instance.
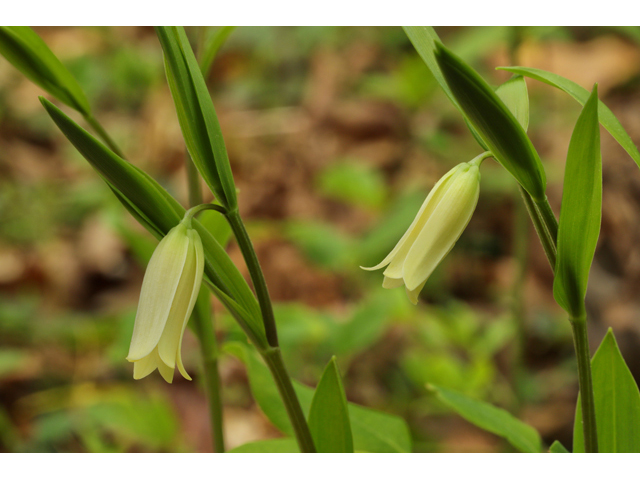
(165, 371)
(413, 294)
(443, 228)
(404, 244)
(145, 365)
(395, 268)
(158, 290)
(392, 282)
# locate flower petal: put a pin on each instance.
(392, 282)
(443, 228)
(404, 244)
(145, 365)
(158, 291)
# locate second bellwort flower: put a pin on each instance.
(436, 228)
(169, 291)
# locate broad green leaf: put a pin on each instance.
(514, 94)
(557, 447)
(494, 122)
(159, 212)
(372, 431)
(493, 419)
(212, 45)
(329, 415)
(196, 115)
(580, 212)
(26, 51)
(617, 402)
(606, 116)
(275, 445)
(424, 40)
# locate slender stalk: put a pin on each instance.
(203, 322)
(548, 243)
(208, 346)
(91, 120)
(549, 220)
(581, 342)
(273, 358)
(257, 277)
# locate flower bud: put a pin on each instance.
(169, 291)
(439, 223)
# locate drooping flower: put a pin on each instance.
(169, 291)
(436, 228)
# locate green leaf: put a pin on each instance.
(26, 51)
(606, 116)
(617, 402)
(329, 415)
(424, 40)
(372, 431)
(196, 114)
(159, 212)
(579, 225)
(514, 94)
(493, 419)
(212, 45)
(557, 447)
(275, 445)
(494, 122)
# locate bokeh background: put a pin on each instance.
(335, 137)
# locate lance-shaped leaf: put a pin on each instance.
(606, 116)
(617, 402)
(515, 96)
(159, 212)
(196, 114)
(211, 46)
(424, 40)
(493, 121)
(329, 415)
(28, 53)
(580, 212)
(493, 419)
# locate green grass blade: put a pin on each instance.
(26, 51)
(617, 402)
(197, 115)
(557, 447)
(515, 96)
(212, 45)
(494, 122)
(606, 116)
(579, 225)
(493, 419)
(273, 445)
(329, 415)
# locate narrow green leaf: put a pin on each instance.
(606, 116)
(159, 212)
(275, 445)
(493, 419)
(212, 45)
(579, 225)
(557, 447)
(494, 122)
(26, 51)
(372, 431)
(515, 96)
(197, 115)
(617, 402)
(424, 40)
(329, 415)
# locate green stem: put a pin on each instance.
(549, 220)
(257, 277)
(208, 346)
(581, 342)
(548, 243)
(203, 322)
(273, 358)
(91, 120)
